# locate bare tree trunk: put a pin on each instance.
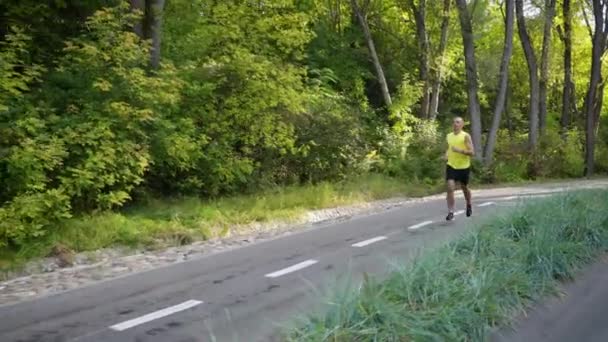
(372, 51)
(593, 99)
(568, 96)
(140, 6)
(544, 63)
(471, 73)
(155, 10)
(424, 49)
(443, 43)
(499, 106)
(508, 113)
(533, 75)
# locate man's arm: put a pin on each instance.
(470, 151)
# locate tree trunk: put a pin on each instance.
(533, 75)
(568, 96)
(508, 113)
(140, 6)
(544, 64)
(443, 43)
(595, 91)
(499, 106)
(424, 49)
(372, 51)
(155, 15)
(471, 74)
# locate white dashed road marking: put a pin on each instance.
(459, 212)
(369, 241)
(155, 315)
(291, 269)
(487, 204)
(420, 225)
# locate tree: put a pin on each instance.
(466, 29)
(422, 36)
(595, 92)
(150, 25)
(544, 63)
(499, 105)
(140, 7)
(532, 75)
(439, 65)
(155, 10)
(568, 95)
(361, 17)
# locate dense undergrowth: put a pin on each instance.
(461, 291)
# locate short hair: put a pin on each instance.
(458, 118)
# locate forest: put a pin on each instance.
(108, 104)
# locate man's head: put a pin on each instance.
(457, 124)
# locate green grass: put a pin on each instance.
(159, 223)
(461, 291)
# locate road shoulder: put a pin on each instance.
(578, 314)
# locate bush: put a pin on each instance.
(561, 157)
(331, 141)
(31, 215)
(415, 159)
(557, 157)
(83, 145)
(243, 94)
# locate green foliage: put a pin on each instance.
(241, 98)
(558, 156)
(85, 145)
(331, 142)
(30, 215)
(463, 290)
(14, 83)
(421, 160)
(562, 156)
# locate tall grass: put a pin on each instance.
(459, 292)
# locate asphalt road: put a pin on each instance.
(581, 314)
(247, 293)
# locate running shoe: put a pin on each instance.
(450, 217)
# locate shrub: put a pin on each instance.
(561, 157)
(84, 145)
(31, 215)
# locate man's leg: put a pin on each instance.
(467, 193)
(450, 198)
(467, 197)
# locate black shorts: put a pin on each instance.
(458, 175)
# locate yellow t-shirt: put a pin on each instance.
(456, 160)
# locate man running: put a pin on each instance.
(458, 157)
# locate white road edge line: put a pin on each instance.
(291, 269)
(486, 204)
(369, 241)
(420, 225)
(156, 315)
(459, 212)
